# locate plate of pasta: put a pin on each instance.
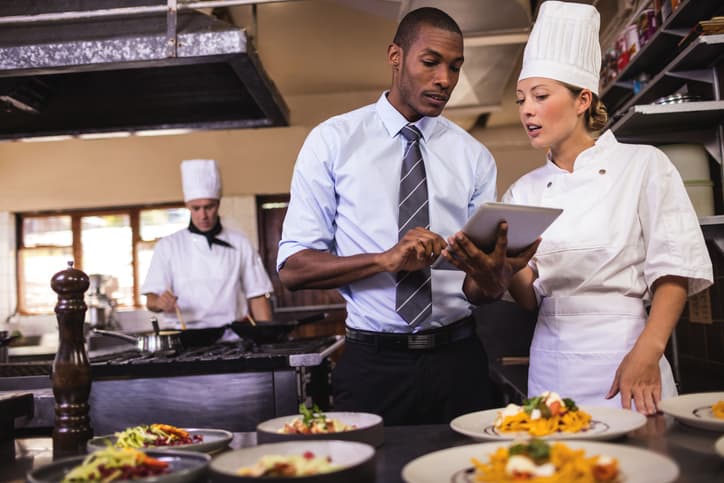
(307, 461)
(702, 410)
(548, 416)
(538, 461)
(313, 424)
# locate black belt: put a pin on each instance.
(427, 339)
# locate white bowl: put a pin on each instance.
(356, 462)
(369, 429)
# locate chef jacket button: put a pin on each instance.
(601, 171)
(550, 183)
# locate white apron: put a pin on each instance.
(567, 355)
(627, 221)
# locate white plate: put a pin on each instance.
(369, 429)
(606, 423)
(637, 465)
(356, 461)
(214, 440)
(719, 446)
(184, 467)
(695, 409)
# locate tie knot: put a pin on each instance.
(411, 133)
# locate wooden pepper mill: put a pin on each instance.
(71, 369)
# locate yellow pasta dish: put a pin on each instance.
(543, 415)
(540, 462)
(718, 409)
(288, 466)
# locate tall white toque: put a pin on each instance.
(563, 45)
(200, 179)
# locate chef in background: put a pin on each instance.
(212, 274)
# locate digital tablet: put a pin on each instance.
(525, 225)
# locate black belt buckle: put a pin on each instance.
(421, 341)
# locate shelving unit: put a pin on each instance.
(654, 56)
(675, 59)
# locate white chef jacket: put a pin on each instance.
(212, 284)
(627, 221)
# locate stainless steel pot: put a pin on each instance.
(157, 342)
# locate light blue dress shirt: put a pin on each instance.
(344, 200)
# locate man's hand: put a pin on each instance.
(415, 251)
(166, 302)
(490, 272)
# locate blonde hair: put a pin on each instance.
(596, 117)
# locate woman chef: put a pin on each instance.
(212, 274)
(628, 235)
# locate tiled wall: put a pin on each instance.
(701, 346)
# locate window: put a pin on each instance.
(115, 242)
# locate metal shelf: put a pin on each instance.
(659, 49)
(671, 123)
(693, 63)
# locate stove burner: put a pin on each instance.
(231, 356)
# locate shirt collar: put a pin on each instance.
(394, 121)
(587, 156)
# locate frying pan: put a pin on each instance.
(265, 332)
(157, 342)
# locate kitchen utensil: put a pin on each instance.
(251, 319)
(272, 331)
(5, 340)
(180, 317)
(201, 337)
(677, 99)
(158, 342)
(178, 313)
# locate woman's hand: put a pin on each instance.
(638, 377)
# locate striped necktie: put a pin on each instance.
(413, 299)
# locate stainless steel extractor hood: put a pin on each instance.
(166, 70)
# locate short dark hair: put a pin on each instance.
(410, 24)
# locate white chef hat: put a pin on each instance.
(200, 179)
(563, 45)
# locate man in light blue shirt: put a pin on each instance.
(341, 231)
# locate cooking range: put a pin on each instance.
(228, 385)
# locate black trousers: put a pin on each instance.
(428, 386)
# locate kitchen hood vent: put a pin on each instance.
(130, 73)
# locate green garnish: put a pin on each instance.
(570, 405)
(518, 449)
(530, 404)
(311, 415)
(537, 450)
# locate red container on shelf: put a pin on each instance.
(622, 53)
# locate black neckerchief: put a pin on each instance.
(210, 235)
